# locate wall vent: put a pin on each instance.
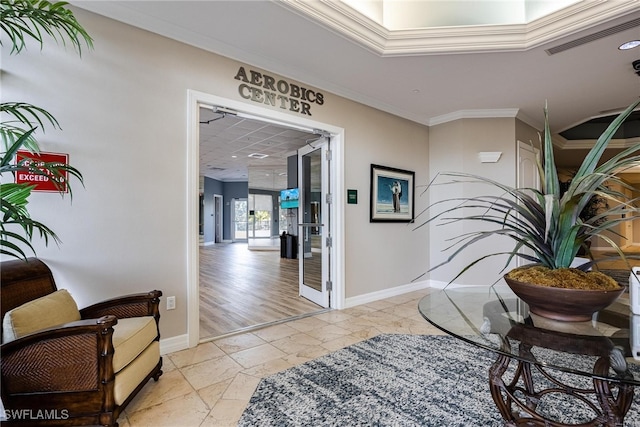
(595, 36)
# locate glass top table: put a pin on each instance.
(600, 350)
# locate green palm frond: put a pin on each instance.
(10, 152)
(23, 118)
(20, 21)
(15, 216)
(33, 19)
(28, 114)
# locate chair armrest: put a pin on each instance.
(71, 357)
(135, 305)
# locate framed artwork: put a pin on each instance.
(392, 194)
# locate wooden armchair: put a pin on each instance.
(82, 372)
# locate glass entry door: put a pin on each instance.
(260, 212)
(313, 229)
(239, 219)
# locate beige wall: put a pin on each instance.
(380, 255)
(528, 134)
(454, 147)
(123, 109)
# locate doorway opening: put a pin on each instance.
(261, 215)
(263, 220)
(217, 218)
(239, 220)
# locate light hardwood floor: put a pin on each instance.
(242, 288)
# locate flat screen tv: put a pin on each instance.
(289, 198)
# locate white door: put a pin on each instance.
(314, 240)
(528, 177)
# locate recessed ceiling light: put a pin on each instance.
(629, 45)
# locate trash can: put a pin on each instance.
(288, 246)
(283, 245)
(292, 246)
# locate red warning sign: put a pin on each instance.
(43, 181)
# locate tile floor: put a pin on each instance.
(211, 384)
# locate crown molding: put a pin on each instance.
(351, 24)
(587, 144)
(534, 123)
(474, 114)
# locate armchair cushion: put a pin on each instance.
(130, 377)
(45, 312)
(130, 338)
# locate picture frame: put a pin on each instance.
(392, 194)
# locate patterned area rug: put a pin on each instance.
(394, 380)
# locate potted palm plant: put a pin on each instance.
(547, 229)
(23, 20)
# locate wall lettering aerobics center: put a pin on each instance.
(264, 89)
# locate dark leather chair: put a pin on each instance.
(83, 372)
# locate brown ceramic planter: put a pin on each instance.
(569, 305)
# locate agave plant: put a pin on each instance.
(545, 222)
(21, 20)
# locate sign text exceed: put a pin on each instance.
(42, 180)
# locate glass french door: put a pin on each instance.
(313, 229)
(239, 218)
(260, 213)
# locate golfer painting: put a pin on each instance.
(392, 194)
(396, 193)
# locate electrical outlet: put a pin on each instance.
(171, 303)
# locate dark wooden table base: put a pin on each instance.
(614, 398)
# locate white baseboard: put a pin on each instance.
(181, 342)
(173, 344)
(439, 284)
(209, 243)
(386, 293)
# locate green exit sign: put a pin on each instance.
(352, 197)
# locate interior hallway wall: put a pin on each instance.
(454, 147)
